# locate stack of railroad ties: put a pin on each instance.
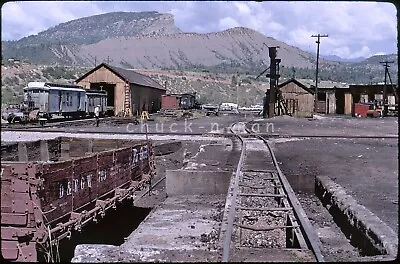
(42, 202)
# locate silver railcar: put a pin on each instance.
(60, 99)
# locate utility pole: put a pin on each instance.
(385, 101)
(319, 36)
(237, 90)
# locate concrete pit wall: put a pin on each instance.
(191, 182)
(58, 149)
(365, 230)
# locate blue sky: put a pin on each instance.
(355, 28)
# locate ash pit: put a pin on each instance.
(112, 229)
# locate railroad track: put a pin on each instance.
(50, 123)
(262, 212)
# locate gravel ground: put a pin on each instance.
(366, 168)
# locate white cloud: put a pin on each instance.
(346, 52)
(228, 22)
(12, 12)
(243, 8)
(363, 52)
(301, 36)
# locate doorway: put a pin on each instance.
(340, 102)
(110, 89)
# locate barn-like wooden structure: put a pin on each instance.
(128, 92)
(332, 98)
(298, 98)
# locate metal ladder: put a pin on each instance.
(127, 102)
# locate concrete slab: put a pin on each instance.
(183, 228)
(271, 255)
(371, 233)
(178, 223)
(189, 182)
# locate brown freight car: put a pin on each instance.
(43, 201)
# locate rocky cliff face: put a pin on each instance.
(237, 47)
(92, 29)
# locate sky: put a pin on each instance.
(354, 29)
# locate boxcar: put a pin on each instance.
(61, 99)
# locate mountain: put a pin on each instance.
(151, 40)
(148, 40)
(340, 59)
(93, 29)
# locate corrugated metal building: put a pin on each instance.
(128, 91)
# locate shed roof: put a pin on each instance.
(298, 84)
(324, 84)
(128, 75)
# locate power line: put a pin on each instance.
(319, 36)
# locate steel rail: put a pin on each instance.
(53, 122)
(231, 216)
(310, 233)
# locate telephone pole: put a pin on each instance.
(319, 36)
(385, 101)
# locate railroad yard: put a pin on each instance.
(234, 187)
